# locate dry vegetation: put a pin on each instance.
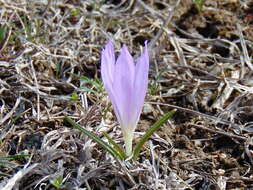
(201, 64)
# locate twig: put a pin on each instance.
(245, 51)
(37, 89)
(213, 118)
(219, 132)
(165, 24)
(8, 115)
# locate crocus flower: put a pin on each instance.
(126, 84)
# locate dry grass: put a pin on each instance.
(201, 64)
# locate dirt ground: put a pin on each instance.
(200, 63)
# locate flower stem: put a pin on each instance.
(128, 138)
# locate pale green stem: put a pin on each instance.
(128, 138)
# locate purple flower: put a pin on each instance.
(126, 84)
